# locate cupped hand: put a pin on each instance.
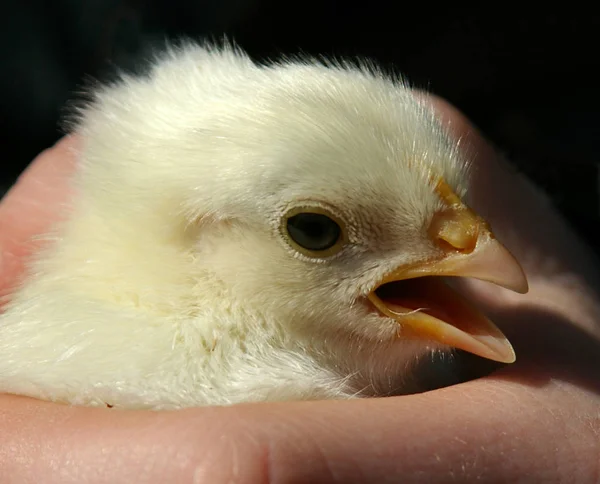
(537, 420)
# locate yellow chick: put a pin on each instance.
(249, 233)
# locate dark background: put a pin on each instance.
(527, 79)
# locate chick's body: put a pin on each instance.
(172, 283)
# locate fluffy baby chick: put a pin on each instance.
(246, 233)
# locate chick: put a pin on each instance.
(250, 233)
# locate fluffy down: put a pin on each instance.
(172, 283)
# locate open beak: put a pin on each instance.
(426, 308)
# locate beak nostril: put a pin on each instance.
(448, 247)
(455, 230)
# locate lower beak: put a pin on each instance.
(427, 308)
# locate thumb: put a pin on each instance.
(31, 206)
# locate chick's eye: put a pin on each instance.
(313, 231)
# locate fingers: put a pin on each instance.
(45, 442)
(491, 433)
(477, 431)
(32, 206)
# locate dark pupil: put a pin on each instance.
(313, 231)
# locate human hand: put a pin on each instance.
(537, 420)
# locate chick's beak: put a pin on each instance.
(426, 308)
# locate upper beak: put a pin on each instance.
(426, 308)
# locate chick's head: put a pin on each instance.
(326, 198)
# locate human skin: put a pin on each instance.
(537, 420)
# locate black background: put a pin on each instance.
(526, 78)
